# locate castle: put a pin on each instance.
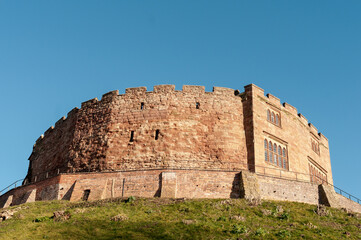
(189, 143)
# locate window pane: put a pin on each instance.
(270, 146)
(279, 151)
(268, 115)
(266, 155)
(284, 152)
(270, 156)
(265, 144)
(277, 119)
(275, 148)
(273, 117)
(280, 161)
(275, 159)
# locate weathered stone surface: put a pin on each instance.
(249, 187)
(328, 196)
(171, 143)
(8, 201)
(169, 185)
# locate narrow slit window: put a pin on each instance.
(198, 105)
(156, 134)
(142, 105)
(273, 117)
(268, 115)
(277, 120)
(131, 136)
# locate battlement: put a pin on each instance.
(189, 89)
(291, 109)
(136, 91)
(275, 101)
(161, 142)
(58, 125)
(186, 89)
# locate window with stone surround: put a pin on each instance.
(315, 146)
(275, 153)
(274, 117)
(316, 174)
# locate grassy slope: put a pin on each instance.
(167, 219)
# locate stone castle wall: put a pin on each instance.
(294, 132)
(169, 143)
(195, 129)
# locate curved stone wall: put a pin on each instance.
(189, 143)
(164, 128)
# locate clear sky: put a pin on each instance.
(56, 54)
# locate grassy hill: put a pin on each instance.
(178, 219)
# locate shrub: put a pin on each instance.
(283, 234)
(284, 216)
(238, 229)
(260, 232)
(130, 199)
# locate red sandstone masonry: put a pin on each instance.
(169, 143)
(219, 130)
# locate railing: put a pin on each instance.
(200, 166)
(11, 186)
(346, 194)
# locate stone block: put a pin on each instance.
(8, 201)
(328, 196)
(249, 187)
(169, 185)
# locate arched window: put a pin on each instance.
(277, 120)
(273, 117)
(268, 115)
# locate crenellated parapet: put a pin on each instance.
(291, 110)
(178, 143)
(145, 128)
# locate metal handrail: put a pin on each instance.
(11, 186)
(301, 177)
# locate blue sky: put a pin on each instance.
(56, 54)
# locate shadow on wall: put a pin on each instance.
(158, 192)
(67, 195)
(235, 193)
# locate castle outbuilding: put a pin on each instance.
(189, 143)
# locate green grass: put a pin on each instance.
(179, 219)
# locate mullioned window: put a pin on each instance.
(274, 117)
(275, 154)
(315, 146)
(316, 175)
